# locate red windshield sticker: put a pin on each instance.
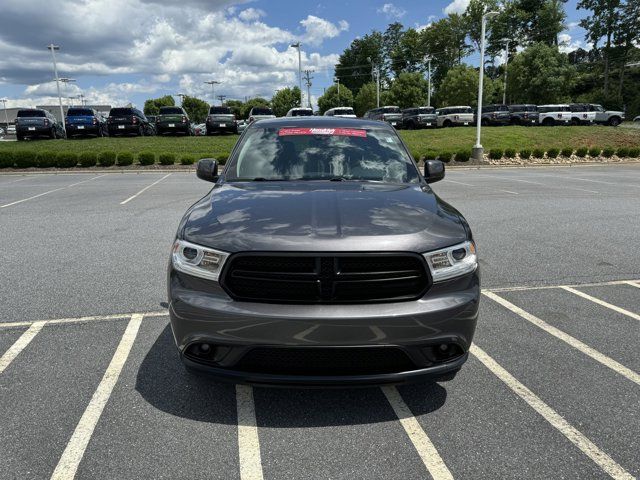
(343, 132)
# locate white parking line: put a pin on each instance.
(73, 453)
(91, 318)
(51, 191)
(18, 180)
(422, 443)
(606, 183)
(633, 284)
(248, 440)
(547, 287)
(542, 184)
(568, 339)
(143, 190)
(610, 306)
(486, 188)
(20, 344)
(604, 461)
(459, 183)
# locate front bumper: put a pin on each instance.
(202, 312)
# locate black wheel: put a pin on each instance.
(447, 377)
(140, 131)
(484, 122)
(575, 122)
(52, 133)
(19, 137)
(447, 124)
(209, 132)
(235, 131)
(615, 121)
(548, 122)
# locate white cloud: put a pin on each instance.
(572, 25)
(566, 44)
(457, 6)
(318, 29)
(251, 14)
(392, 11)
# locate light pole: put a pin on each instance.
(375, 75)
(337, 80)
(181, 95)
(53, 49)
(298, 45)
(6, 115)
(506, 63)
(478, 151)
(213, 83)
(428, 59)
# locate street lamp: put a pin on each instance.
(213, 83)
(428, 60)
(298, 45)
(53, 49)
(506, 62)
(6, 116)
(478, 151)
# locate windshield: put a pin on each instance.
(322, 154)
(120, 111)
(79, 112)
(170, 111)
(261, 111)
(31, 113)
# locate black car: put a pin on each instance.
(419, 117)
(493, 115)
(37, 123)
(221, 119)
(128, 121)
(82, 121)
(524, 114)
(322, 256)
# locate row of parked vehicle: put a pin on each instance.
(497, 114)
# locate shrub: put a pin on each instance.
(66, 160)
(187, 160)
(582, 152)
(594, 152)
(538, 153)
(608, 152)
(88, 159)
(24, 159)
(634, 152)
(416, 155)
(222, 159)
(553, 153)
(6, 159)
(444, 156)
(167, 158)
(510, 153)
(566, 152)
(147, 158)
(462, 156)
(106, 159)
(125, 158)
(525, 154)
(622, 152)
(496, 154)
(46, 159)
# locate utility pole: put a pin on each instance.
(308, 78)
(298, 45)
(6, 115)
(506, 63)
(375, 76)
(53, 49)
(221, 98)
(82, 100)
(213, 84)
(337, 80)
(428, 59)
(181, 95)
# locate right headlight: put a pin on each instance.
(197, 260)
(452, 261)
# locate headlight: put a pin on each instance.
(197, 260)
(452, 261)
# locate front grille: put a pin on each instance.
(327, 278)
(325, 361)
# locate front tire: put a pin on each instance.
(615, 121)
(548, 122)
(447, 124)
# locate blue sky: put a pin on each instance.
(121, 51)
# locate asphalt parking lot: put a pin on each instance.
(91, 386)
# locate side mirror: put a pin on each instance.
(433, 170)
(207, 169)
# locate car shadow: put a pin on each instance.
(164, 383)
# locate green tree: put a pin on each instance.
(365, 99)
(408, 90)
(253, 102)
(460, 87)
(540, 74)
(196, 109)
(473, 18)
(235, 106)
(354, 67)
(152, 106)
(446, 42)
(331, 99)
(284, 100)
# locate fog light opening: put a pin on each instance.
(201, 351)
(443, 352)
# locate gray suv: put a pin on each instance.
(524, 114)
(419, 117)
(321, 256)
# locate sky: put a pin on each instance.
(126, 51)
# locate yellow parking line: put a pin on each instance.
(610, 306)
(604, 461)
(568, 339)
(20, 344)
(248, 440)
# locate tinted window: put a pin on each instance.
(73, 112)
(120, 111)
(579, 108)
(170, 111)
(427, 110)
(302, 113)
(220, 111)
(343, 111)
(261, 111)
(31, 113)
(390, 110)
(352, 154)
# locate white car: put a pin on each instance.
(551, 115)
(11, 129)
(300, 112)
(454, 116)
(637, 119)
(344, 112)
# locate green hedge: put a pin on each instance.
(167, 159)
(187, 160)
(106, 159)
(538, 153)
(622, 152)
(510, 153)
(634, 152)
(582, 152)
(444, 156)
(496, 154)
(46, 159)
(6, 159)
(608, 152)
(594, 151)
(67, 160)
(525, 154)
(463, 156)
(553, 153)
(566, 152)
(24, 159)
(125, 158)
(147, 158)
(88, 159)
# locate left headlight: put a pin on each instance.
(197, 260)
(452, 261)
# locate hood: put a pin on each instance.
(322, 216)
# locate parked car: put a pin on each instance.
(35, 122)
(200, 129)
(1, 132)
(607, 117)
(582, 114)
(344, 112)
(85, 121)
(242, 125)
(494, 115)
(637, 119)
(526, 114)
(554, 115)
(151, 118)
(128, 121)
(173, 120)
(221, 119)
(389, 113)
(454, 116)
(419, 117)
(11, 129)
(260, 113)
(300, 112)
(327, 236)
